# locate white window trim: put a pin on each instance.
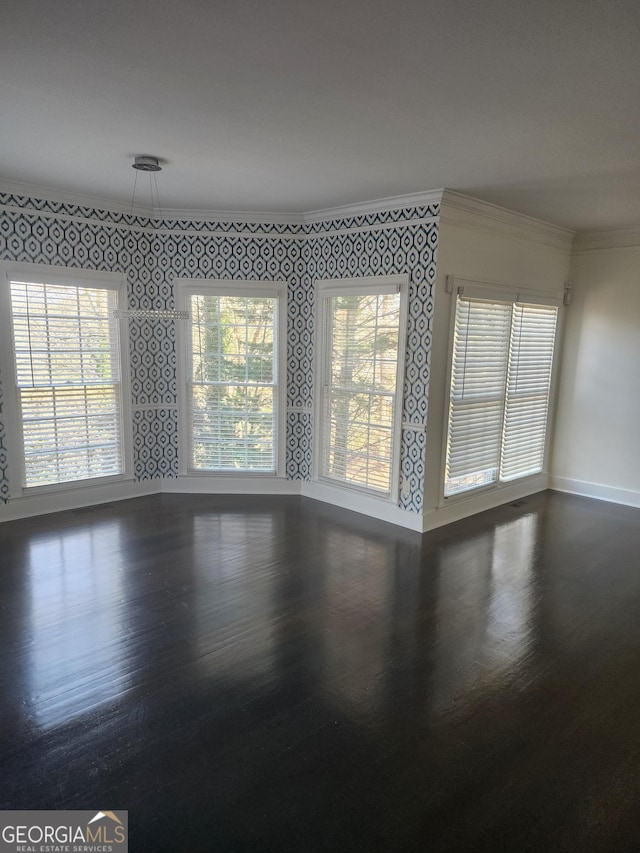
(37, 273)
(338, 287)
(506, 293)
(185, 288)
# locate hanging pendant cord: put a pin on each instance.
(133, 197)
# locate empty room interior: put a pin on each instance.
(319, 470)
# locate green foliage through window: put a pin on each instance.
(360, 392)
(233, 382)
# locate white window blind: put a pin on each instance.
(499, 394)
(233, 383)
(533, 331)
(359, 387)
(67, 356)
(480, 358)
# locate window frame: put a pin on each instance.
(509, 293)
(325, 289)
(185, 288)
(72, 276)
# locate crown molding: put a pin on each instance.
(459, 209)
(611, 238)
(45, 193)
(396, 202)
(253, 216)
(326, 214)
(270, 217)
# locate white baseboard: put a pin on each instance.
(77, 498)
(627, 497)
(230, 485)
(364, 504)
(33, 505)
(463, 507)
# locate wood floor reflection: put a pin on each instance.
(274, 674)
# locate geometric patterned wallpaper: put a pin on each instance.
(151, 253)
(384, 244)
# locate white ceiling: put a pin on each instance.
(298, 105)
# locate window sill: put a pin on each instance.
(71, 485)
(225, 484)
(231, 475)
(352, 488)
(490, 489)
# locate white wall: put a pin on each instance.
(518, 252)
(597, 431)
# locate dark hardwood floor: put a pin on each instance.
(274, 674)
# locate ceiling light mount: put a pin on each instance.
(146, 164)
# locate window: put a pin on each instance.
(67, 367)
(232, 362)
(499, 391)
(361, 367)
